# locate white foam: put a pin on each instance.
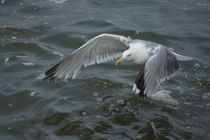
(14, 37)
(120, 101)
(205, 67)
(99, 99)
(196, 65)
(206, 96)
(10, 105)
(6, 60)
(28, 64)
(21, 56)
(3, 1)
(58, 53)
(155, 131)
(164, 96)
(32, 93)
(58, 1)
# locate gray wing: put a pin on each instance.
(161, 65)
(97, 50)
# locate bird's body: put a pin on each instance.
(158, 61)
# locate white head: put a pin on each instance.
(127, 55)
(136, 53)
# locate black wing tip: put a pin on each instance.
(50, 74)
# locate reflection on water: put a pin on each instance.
(34, 35)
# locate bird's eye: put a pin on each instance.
(129, 55)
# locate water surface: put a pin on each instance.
(99, 104)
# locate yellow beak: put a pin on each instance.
(119, 61)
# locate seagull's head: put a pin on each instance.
(137, 53)
(127, 55)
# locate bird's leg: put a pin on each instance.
(142, 95)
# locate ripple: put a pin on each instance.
(24, 49)
(17, 102)
(64, 39)
(33, 9)
(75, 128)
(95, 94)
(120, 101)
(93, 23)
(206, 96)
(104, 83)
(55, 118)
(125, 118)
(10, 2)
(11, 32)
(103, 127)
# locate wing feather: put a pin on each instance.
(98, 50)
(162, 64)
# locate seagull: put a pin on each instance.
(158, 62)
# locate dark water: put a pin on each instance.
(35, 34)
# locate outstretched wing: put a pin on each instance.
(98, 50)
(160, 66)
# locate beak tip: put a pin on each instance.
(119, 61)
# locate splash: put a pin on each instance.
(164, 96)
